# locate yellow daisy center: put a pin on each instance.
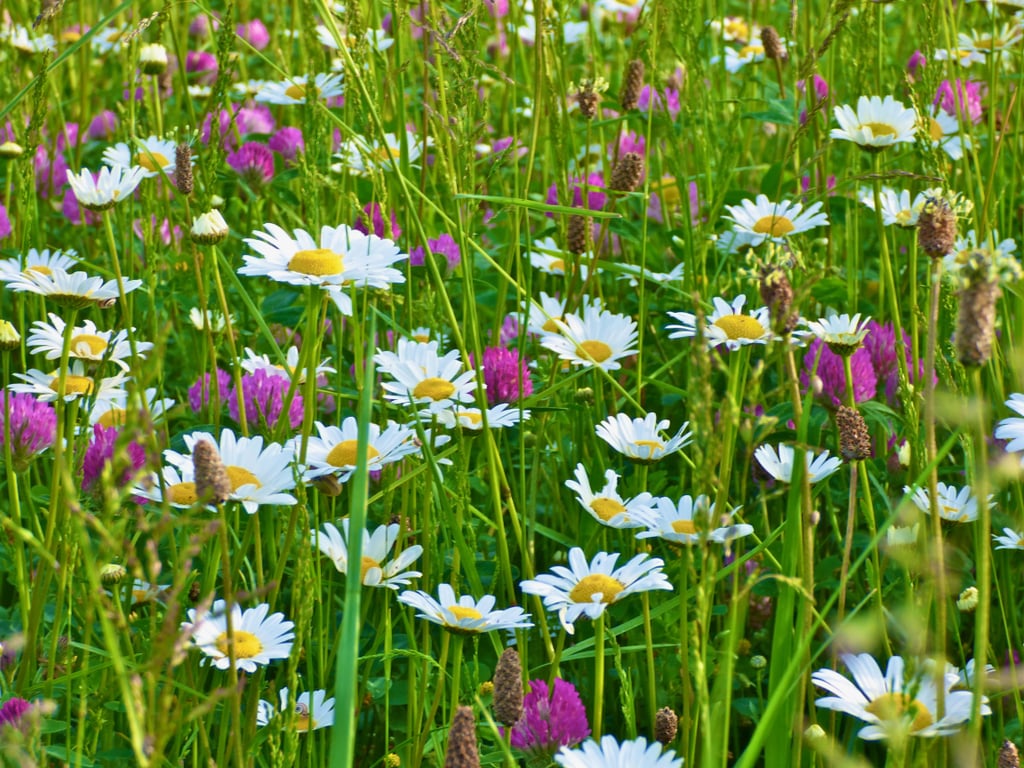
(464, 612)
(474, 419)
(880, 129)
(557, 264)
(246, 644)
(317, 262)
(684, 526)
(88, 345)
(654, 445)
(668, 189)
(897, 706)
(593, 584)
(42, 269)
(422, 338)
(606, 508)
(365, 565)
(935, 130)
(775, 226)
(344, 453)
(182, 493)
(595, 350)
(952, 513)
(151, 161)
(240, 476)
(750, 51)
(550, 325)
(434, 388)
(298, 91)
(737, 29)
(115, 417)
(302, 721)
(384, 154)
(73, 385)
(740, 326)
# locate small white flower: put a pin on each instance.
(106, 190)
(374, 569)
(727, 325)
(779, 462)
(313, 710)
(255, 639)
(155, 156)
(334, 450)
(209, 228)
(688, 520)
(87, 342)
(609, 753)
(464, 615)
(957, 505)
(297, 90)
(840, 330)
(598, 339)
(761, 219)
(641, 439)
(1010, 539)
(606, 505)
(876, 123)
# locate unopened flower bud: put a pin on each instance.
(209, 228)
(112, 573)
(772, 44)
(936, 228)
(577, 238)
(10, 339)
(153, 58)
(968, 600)
(628, 172)
(11, 150)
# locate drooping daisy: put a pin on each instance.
(548, 257)
(374, 570)
(640, 439)
(43, 262)
(333, 450)
(87, 342)
(74, 289)
(260, 475)
(1010, 539)
(77, 384)
(727, 324)
(597, 339)
(877, 123)
(634, 753)
(900, 703)
(943, 131)
(588, 588)
(108, 188)
(688, 520)
(421, 352)
(606, 505)
(113, 411)
(253, 362)
(778, 462)
(255, 639)
(341, 257)
(313, 710)
(842, 333)
(897, 207)
(541, 316)
(957, 505)
(464, 615)
(425, 378)
(360, 156)
(761, 219)
(501, 416)
(1012, 428)
(154, 155)
(295, 90)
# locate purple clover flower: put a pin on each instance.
(263, 397)
(254, 33)
(833, 378)
(445, 246)
(373, 215)
(203, 66)
(916, 63)
(961, 98)
(100, 452)
(5, 223)
(254, 162)
(550, 721)
(595, 196)
(13, 711)
(666, 100)
(102, 127)
(32, 425)
(288, 143)
(506, 375)
(199, 393)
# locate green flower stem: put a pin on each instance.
(458, 640)
(982, 558)
(236, 371)
(22, 580)
(227, 585)
(652, 673)
(889, 281)
(598, 713)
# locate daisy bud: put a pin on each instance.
(577, 238)
(666, 723)
(975, 325)
(772, 43)
(11, 149)
(854, 438)
(628, 172)
(209, 228)
(462, 751)
(936, 228)
(1008, 756)
(113, 573)
(968, 600)
(815, 733)
(153, 59)
(10, 339)
(211, 476)
(183, 178)
(632, 84)
(508, 688)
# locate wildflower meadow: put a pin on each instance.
(422, 383)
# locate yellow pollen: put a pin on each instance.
(684, 526)
(654, 445)
(606, 509)
(88, 345)
(240, 476)
(775, 226)
(898, 706)
(383, 154)
(740, 326)
(73, 385)
(474, 419)
(557, 264)
(595, 350)
(344, 454)
(151, 161)
(668, 190)
(42, 269)
(464, 612)
(880, 129)
(952, 513)
(366, 564)
(550, 325)
(422, 338)
(296, 91)
(182, 493)
(433, 388)
(246, 644)
(934, 129)
(593, 584)
(303, 722)
(317, 262)
(115, 417)
(751, 51)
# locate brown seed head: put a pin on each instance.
(577, 238)
(211, 477)
(854, 438)
(976, 321)
(462, 751)
(936, 228)
(588, 99)
(508, 688)
(777, 294)
(632, 84)
(772, 43)
(666, 723)
(183, 178)
(1008, 756)
(628, 172)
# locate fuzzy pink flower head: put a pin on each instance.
(13, 711)
(445, 246)
(32, 425)
(254, 33)
(288, 143)
(371, 222)
(961, 98)
(594, 186)
(550, 721)
(506, 375)
(101, 452)
(202, 67)
(254, 162)
(916, 63)
(5, 223)
(102, 127)
(263, 396)
(831, 376)
(665, 101)
(199, 393)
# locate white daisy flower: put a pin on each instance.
(727, 325)
(253, 362)
(541, 316)
(761, 219)
(753, 53)
(1010, 539)
(154, 155)
(1001, 252)
(212, 318)
(957, 505)
(876, 123)
(640, 439)
(688, 520)
(256, 639)
(588, 588)
(73, 289)
(464, 615)
(597, 339)
(424, 378)
(113, 411)
(44, 262)
(374, 570)
(110, 39)
(333, 450)
(896, 206)
(20, 39)
(900, 703)
(295, 90)
(341, 257)
(778, 462)
(77, 384)
(177, 488)
(260, 475)
(606, 505)
(1012, 428)
(378, 39)
(105, 191)
(548, 257)
(943, 131)
(635, 753)
(501, 416)
(313, 710)
(360, 156)
(87, 342)
(988, 42)
(247, 89)
(840, 332)
(420, 352)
